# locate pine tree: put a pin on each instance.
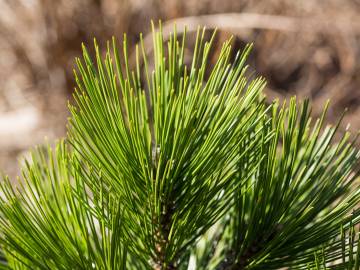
(183, 166)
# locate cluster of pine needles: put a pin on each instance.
(178, 164)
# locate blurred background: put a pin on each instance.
(309, 48)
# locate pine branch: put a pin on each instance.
(177, 165)
(49, 222)
(289, 206)
(181, 159)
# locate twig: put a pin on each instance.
(236, 22)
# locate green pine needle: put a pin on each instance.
(177, 165)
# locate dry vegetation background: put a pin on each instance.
(309, 48)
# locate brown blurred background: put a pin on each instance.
(308, 48)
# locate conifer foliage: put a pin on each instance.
(176, 165)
